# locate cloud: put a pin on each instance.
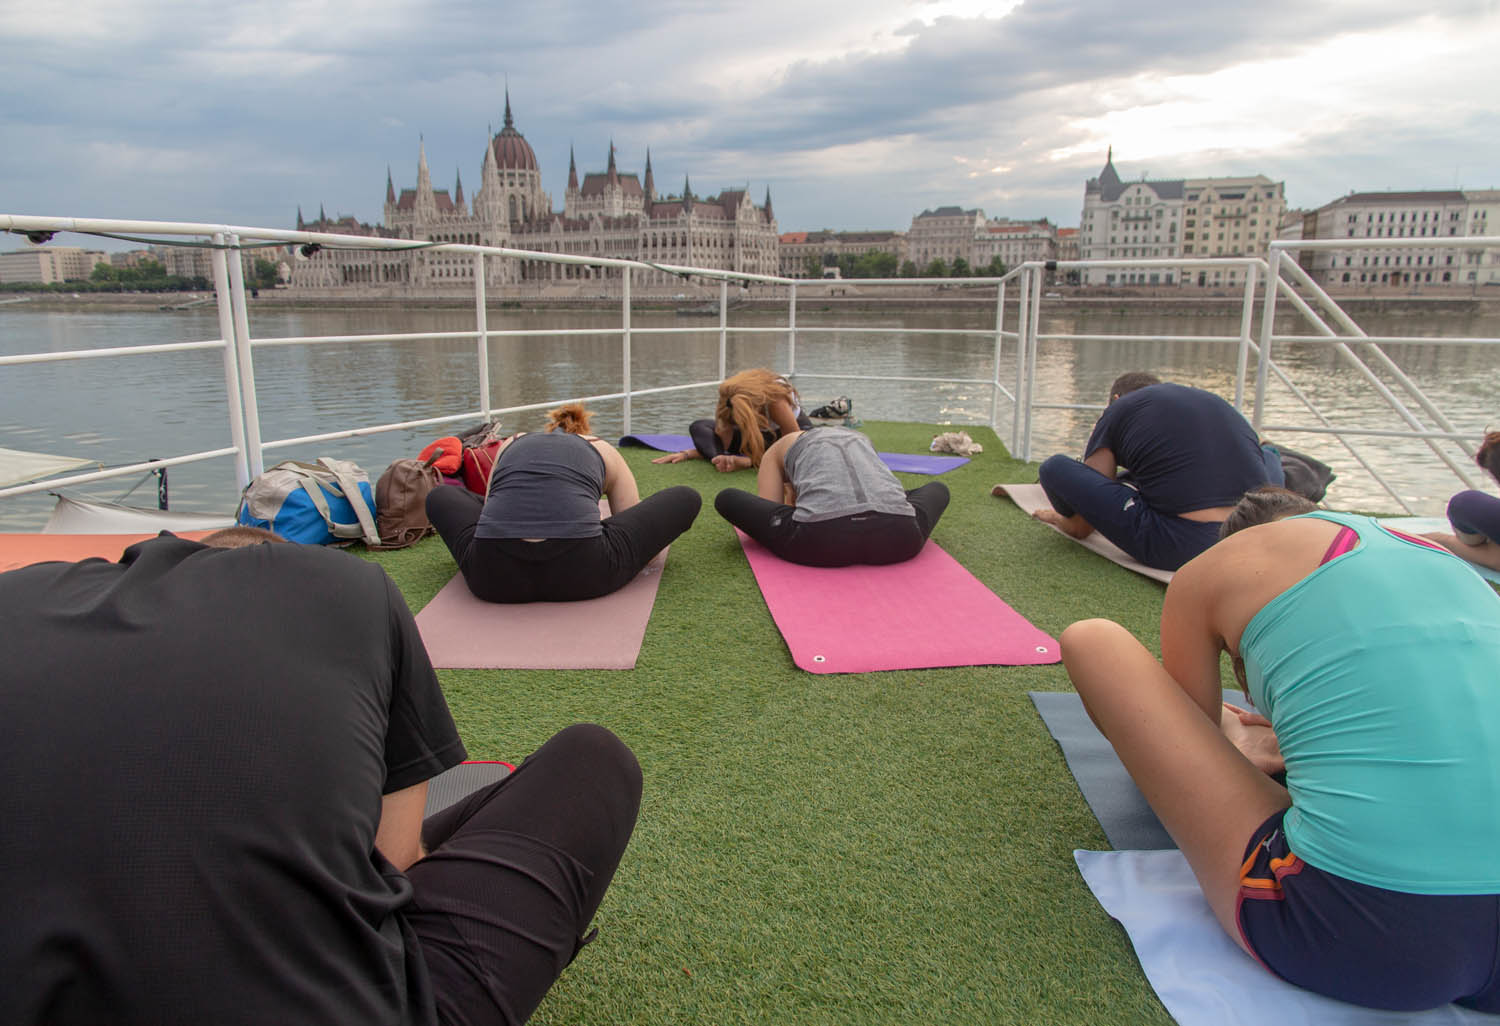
(856, 115)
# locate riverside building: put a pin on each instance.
(1173, 218)
(611, 213)
(1405, 215)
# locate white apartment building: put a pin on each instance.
(43, 265)
(1015, 242)
(1404, 215)
(1174, 218)
(945, 234)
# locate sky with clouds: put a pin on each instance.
(855, 115)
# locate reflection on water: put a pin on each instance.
(129, 409)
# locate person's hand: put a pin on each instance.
(724, 463)
(1251, 733)
(677, 457)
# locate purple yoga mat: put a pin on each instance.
(906, 462)
(926, 612)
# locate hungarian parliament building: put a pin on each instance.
(608, 214)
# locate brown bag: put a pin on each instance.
(401, 502)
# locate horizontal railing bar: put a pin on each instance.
(1455, 436)
(283, 443)
(101, 475)
(803, 329)
(90, 354)
(1398, 340)
(874, 377)
(1392, 242)
(1059, 337)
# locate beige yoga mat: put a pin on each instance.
(461, 632)
(1031, 498)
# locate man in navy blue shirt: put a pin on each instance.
(1189, 457)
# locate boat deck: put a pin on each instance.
(888, 847)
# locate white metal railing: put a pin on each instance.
(1276, 279)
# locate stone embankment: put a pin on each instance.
(811, 296)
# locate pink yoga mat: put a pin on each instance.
(461, 632)
(926, 612)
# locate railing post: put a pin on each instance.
(999, 345)
(1267, 322)
(241, 319)
(1021, 423)
(232, 392)
(482, 335)
(1032, 329)
(625, 340)
(723, 328)
(1247, 312)
(791, 332)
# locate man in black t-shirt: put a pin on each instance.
(215, 764)
(1190, 456)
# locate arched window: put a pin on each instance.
(513, 208)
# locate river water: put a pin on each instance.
(130, 409)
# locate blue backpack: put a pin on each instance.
(313, 503)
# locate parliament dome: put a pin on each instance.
(512, 151)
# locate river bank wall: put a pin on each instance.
(812, 297)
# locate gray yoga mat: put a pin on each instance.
(1117, 804)
(460, 781)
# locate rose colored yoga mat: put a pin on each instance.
(461, 632)
(18, 550)
(926, 612)
(1030, 498)
(906, 462)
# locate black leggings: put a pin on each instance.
(517, 871)
(559, 569)
(869, 538)
(706, 439)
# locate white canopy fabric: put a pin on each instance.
(18, 467)
(82, 516)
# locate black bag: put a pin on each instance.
(1306, 475)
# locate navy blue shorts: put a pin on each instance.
(1362, 944)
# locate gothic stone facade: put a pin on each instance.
(608, 214)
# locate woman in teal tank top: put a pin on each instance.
(1373, 662)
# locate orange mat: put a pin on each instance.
(18, 550)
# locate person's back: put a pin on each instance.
(1376, 671)
(836, 472)
(1186, 448)
(197, 748)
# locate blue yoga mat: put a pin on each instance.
(905, 462)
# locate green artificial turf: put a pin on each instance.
(866, 848)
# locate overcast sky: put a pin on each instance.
(855, 114)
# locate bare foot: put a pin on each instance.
(1074, 527)
(1251, 733)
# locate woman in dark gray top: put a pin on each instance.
(537, 536)
(826, 499)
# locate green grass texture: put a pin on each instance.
(870, 848)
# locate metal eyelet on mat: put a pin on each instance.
(820, 659)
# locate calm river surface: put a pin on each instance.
(129, 409)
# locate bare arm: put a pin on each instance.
(399, 835)
(619, 482)
(771, 482)
(783, 417)
(678, 456)
(1485, 555)
(1190, 642)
